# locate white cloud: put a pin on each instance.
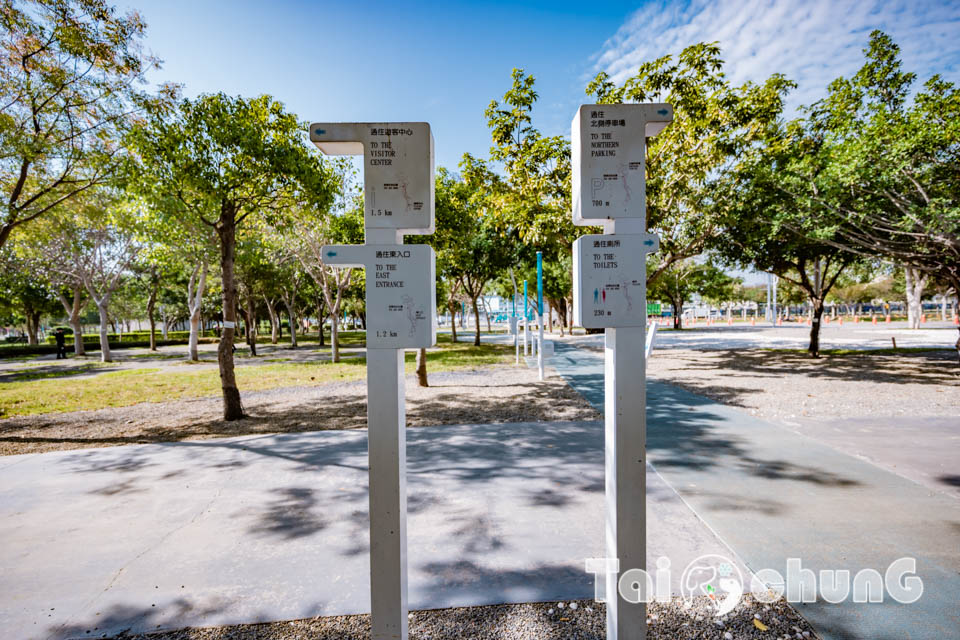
(812, 42)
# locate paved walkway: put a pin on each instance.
(275, 527)
(773, 494)
(794, 336)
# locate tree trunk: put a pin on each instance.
(33, 326)
(195, 289)
(73, 309)
(676, 314)
(320, 315)
(194, 336)
(562, 314)
(915, 282)
(227, 231)
(78, 348)
(453, 321)
(476, 317)
(163, 319)
(151, 304)
(293, 325)
(422, 368)
(153, 328)
(274, 321)
(334, 341)
(814, 348)
(105, 355)
(252, 325)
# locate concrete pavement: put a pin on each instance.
(773, 494)
(275, 527)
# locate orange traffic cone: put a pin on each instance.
(887, 320)
(841, 321)
(923, 319)
(753, 322)
(874, 319)
(956, 320)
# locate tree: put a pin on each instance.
(23, 295)
(97, 247)
(684, 278)
(690, 162)
(452, 214)
(313, 228)
(769, 229)
(879, 171)
(173, 239)
(227, 159)
(532, 200)
(68, 82)
(475, 251)
(93, 240)
(291, 280)
(30, 246)
(531, 203)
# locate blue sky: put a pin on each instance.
(443, 63)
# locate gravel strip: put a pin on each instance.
(779, 386)
(474, 396)
(572, 620)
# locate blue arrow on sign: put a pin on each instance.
(663, 112)
(319, 132)
(649, 243)
(330, 254)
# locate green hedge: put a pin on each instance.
(19, 350)
(131, 337)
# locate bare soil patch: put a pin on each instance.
(487, 395)
(783, 385)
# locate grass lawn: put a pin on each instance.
(124, 388)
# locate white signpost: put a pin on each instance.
(609, 188)
(401, 314)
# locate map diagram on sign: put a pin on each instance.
(414, 315)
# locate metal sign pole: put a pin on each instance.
(526, 326)
(608, 163)
(540, 314)
(401, 314)
(514, 320)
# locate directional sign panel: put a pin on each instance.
(401, 291)
(609, 280)
(397, 169)
(608, 154)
